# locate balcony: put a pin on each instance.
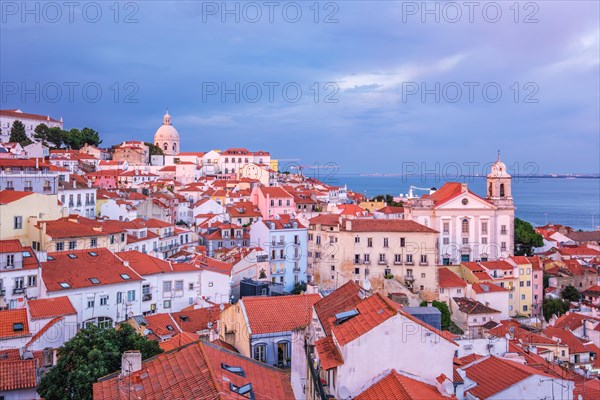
(10, 188)
(296, 269)
(397, 262)
(409, 263)
(409, 278)
(47, 189)
(19, 290)
(28, 189)
(147, 297)
(367, 262)
(382, 262)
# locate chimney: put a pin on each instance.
(126, 263)
(429, 304)
(463, 188)
(131, 361)
(74, 184)
(47, 357)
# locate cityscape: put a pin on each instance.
(219, 247)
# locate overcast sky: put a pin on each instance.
(393, 84)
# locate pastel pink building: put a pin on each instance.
(272, 201)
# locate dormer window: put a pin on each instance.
(18, 327)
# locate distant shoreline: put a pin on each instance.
(544, 176)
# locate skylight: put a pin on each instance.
(65, 285)
(95, 281)
(50, 258)
(26, 254)
(245, 390)
(345, 316)
(234, 370)
(73, 256)
(170, 327)
(93, 253)
(125, 277)
(18, 327)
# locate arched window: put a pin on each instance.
(174, 148)
(259, 352)
(502, 190)
(465, 226)
(226, 170)
(166, 146)
(490, 190)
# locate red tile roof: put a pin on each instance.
(17, 375)
(384, 225)
(329, 355)
(195, 371)
(179, 340)
(372, 311)
(50, 307)
(325, 219)
(77, 272)
(448, 279)
(566, 337)
(395, 386)
(158, 324)
(487, 288)
(8, 319)
(18, 114)
(9, 196)
(10, 246)
(197, 320)
(280, 313)
(494, 375)
(471, 307)
(274, 191)
(344, 298)
(449, 191)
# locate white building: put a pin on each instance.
(19, 274)
(31, 121)
(167, 137)
(103, 288)
(78, 195)
(471, 228)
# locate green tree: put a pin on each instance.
(154, 149)
(526, 238)
(570, 293)
(554, 306)
(76, 139)
(42, 133)
(17, 134)
(299, 288)
(92, 353)
(56, 137)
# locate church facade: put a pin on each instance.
(471, 228)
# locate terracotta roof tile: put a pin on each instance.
(9, 196)
(395, 386)
(470, 306)
(344, 298)
(280, 313)
(329, 355)
(17, 375)
(384, 225)
(50, 307)
(448, 279)
(11, 319)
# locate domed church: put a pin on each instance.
(167, 137)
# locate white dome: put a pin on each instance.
(166, 132)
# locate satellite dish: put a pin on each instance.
(366, 284)
(345, 393)
(221, 306)
(507, 336)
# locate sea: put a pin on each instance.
(539, 200)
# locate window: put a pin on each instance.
(459, 291)
(103, 300)
(446, 240)
(465, 226)
(522, 297)
(465, 240)
(525, 308)
(119, 297)
(167, 285)
(10, 260)
(125, 277)
(369, 242)
(333, 267)
(356, 271)
(397, 258)
(423, 258)
(122, 237)
(356, 239)
(484, 226)
(191, 286)
(367, 258)
(260, 353)
(112, 239)
(90, 303)
(178, 285)
(95, 281)
(402, 242)
(60, 246)
(409, 258)
(503, 246)
(93, 242)
(521, 284)
(18, 222)
(528, 283)
(32, 280)
(234, 370)
(381, 258)
(357, 259)
(167, 304)
(72, 244)
(503, 230)
(131, 295)
(446, 227)
(64, 285)
(423, 276)
(385, 242)
(483, 240)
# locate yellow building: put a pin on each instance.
(523, 290)
(18, 208)
(372, 206)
